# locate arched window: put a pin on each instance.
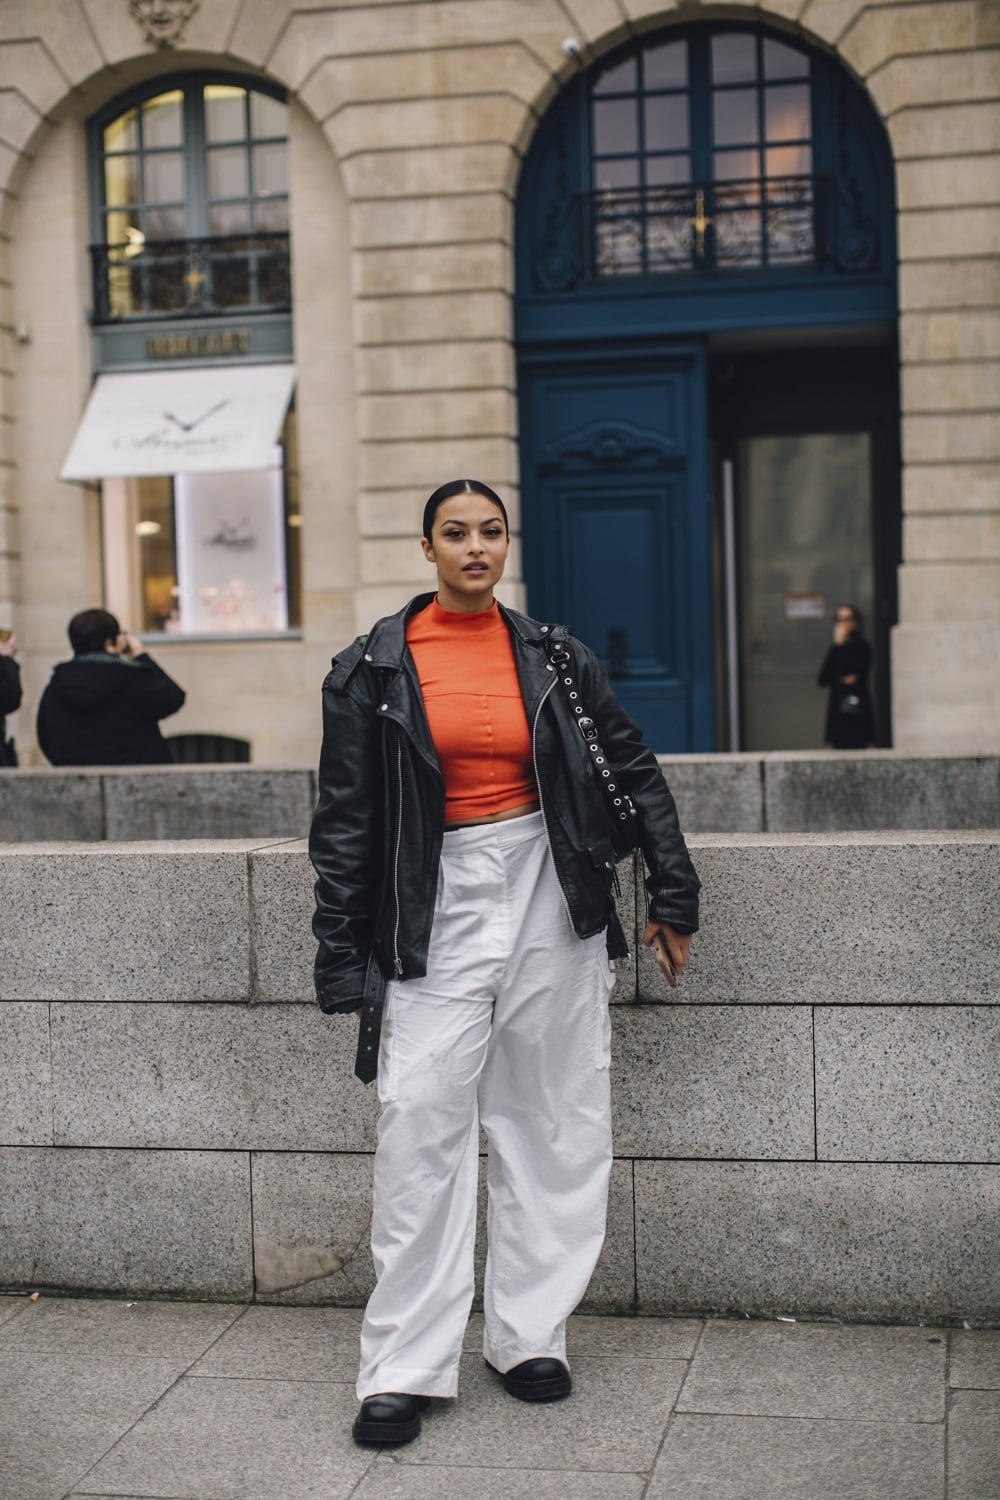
(190, 202)
(701, 156)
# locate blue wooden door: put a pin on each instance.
(617, 527)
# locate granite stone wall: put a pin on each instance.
(808, 1125)
(787, 792)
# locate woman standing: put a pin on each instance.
(463, 850)
(850, 719)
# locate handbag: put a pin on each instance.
(849, 706)
(621, 810)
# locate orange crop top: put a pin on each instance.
(472, 694)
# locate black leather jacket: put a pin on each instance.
(376, 835)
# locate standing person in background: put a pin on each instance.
(850, 719)
(103, 708)
(10, 693)
(463, 851)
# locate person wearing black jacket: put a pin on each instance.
(10, 695)
(465, 865)
(850, 717)
(103, 708)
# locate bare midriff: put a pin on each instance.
(500, 817)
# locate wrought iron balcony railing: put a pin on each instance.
(191, 278)
(745, 224)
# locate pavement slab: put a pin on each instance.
(975, 1360)
(389, 1480)
(817, 1370)
(766, 1458)
(105, 1328)
(213, 1439)
(288, 1343)
(621, 1405)
(974, 1446)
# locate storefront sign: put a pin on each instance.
(198, 345)
(805, 606)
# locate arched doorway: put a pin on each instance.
(706, 336)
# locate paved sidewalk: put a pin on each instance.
(195, 1401)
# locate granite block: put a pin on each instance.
(862, 1241)
(25, 1083)
(760, 1458)
(816, 791)
(840, 919)
(974, 1445)
(817, 1370)
(103, 1330)
(612, 1286)
(60, 1412)
(213, 1077)
(186, 802)
(240, 1440)
(713, 1081)
(907, 1083)
(721, 793)
(126, 922)
(311, 1226)
(975, 1360)
(169, 1223)
(287, 1343)
(614, 1422)
(281, 911)
(38, 805)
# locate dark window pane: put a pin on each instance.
(164, 177)
(270, 170)
(121, 180)
(229, 218)
(787, 112)
(666, 66)
(167, 286)
(271, 215)
(621, 79)
(736, 164)
(734, 117)
(165, 223)
(784, 62)
(267, 116)
(616, 126)
(231, 280)
(121, 134)
(789, 161)
(667, 171)
(734, 57)
(163, 120)
(666, 122)
(225, 115)
(617, 174)
(273, 282)
(227, 172)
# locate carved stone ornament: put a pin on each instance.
(163, 21)
(619, 443)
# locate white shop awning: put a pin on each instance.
(181, 422)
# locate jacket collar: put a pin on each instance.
(386, 643)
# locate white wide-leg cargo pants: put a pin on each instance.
(509, 1029)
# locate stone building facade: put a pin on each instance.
(408, 124)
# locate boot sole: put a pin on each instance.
(554, 1389)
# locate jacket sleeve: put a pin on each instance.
(673, 883)
(154, 692)
(345, 845)
(10, 685)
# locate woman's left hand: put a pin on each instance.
(678, 944)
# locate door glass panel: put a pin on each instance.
(666, 121)
(804, 507)
(270, 170)
(730, 165)
(617, 174)
(786, 112)
(734, 57)
(267, 116)
(162, 120)
(227, 173)
(165, 177)
(616, 126)
(229, 218)
(224, 113)
(621, 79)
(121, 181)
(122, 134)
(668, 171)
(783, 62)
(665, 67)
(789, 161)
(734, 117)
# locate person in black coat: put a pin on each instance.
(850, 718)
(103, 708)
(10, 695)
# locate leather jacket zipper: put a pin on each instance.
(541, 798)
(397, 961)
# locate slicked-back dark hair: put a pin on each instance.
(91, 629)
(460, 487)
